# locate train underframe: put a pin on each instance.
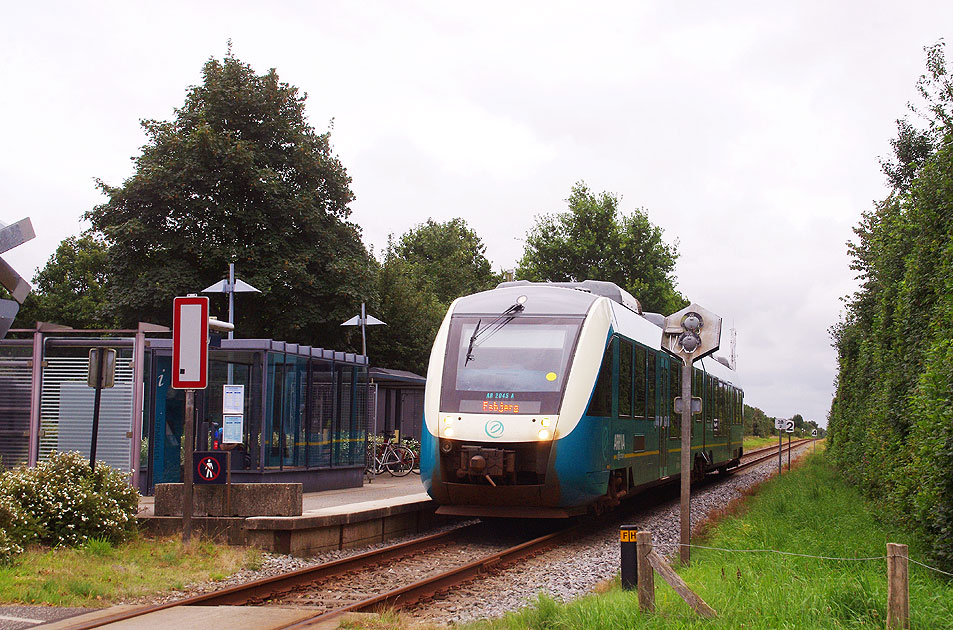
(517, 480)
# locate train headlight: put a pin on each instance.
(448, 419)
(543, 434)
(544, 422)
(448, 432)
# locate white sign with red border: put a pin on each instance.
(190, 342)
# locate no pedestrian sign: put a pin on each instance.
(210, 466)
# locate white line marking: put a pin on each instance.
(22, 619)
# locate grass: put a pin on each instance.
(99, 573)
(808, 511)
(752, 442)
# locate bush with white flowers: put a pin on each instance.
(63, 502)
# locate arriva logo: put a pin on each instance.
(494, 428)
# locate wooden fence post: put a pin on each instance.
(646, 582)
(898, 587)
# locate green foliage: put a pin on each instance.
(239, 176)
(592, 240)
(756, 422)
(72, 288)
(891, 428)
(810, 511)
(61, 501)
(422, 273)
(449, 256)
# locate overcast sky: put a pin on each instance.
(750, 132)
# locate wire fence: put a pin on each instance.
(806, 555)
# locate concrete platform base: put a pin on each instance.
(315, 531)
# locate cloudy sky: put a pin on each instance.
(750, 132)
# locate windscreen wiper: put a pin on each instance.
(493, 327)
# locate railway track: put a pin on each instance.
(396, 576)
(764, 454)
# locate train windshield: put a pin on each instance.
(519, 367)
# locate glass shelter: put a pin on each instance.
(305, 413)
(304, 409)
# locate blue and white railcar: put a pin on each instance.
(551, 399)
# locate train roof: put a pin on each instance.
(575, 299)
(594, 287)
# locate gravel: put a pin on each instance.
(575, 569)
(564, 573)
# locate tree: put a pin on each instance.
(422, 273)
(238, 176)
(71, 289)
(592, 240)
(890, 424)
(450, 256)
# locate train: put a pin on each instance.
(555, 399)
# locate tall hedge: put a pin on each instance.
(891, 422)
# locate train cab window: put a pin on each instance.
(639, 382)
(625, 378)
(601, 403)
(650, 389)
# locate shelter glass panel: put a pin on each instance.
(322, 414)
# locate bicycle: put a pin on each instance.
(396, 459)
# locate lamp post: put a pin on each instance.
(363, 320)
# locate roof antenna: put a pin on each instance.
(734, 345)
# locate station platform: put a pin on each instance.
(385, 508)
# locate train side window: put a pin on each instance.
(675, 389)
(709, 399)
(601, 403)
(650, 390)
(639, 382)
(625, 378)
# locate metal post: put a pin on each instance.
(627, 557)
(189, 445)
(789, 451)
(231, 316)
(779, 451)
(138, 385)
(231, 298)
(97, 399)
(36, 398)
(363, 331)
(686, 463)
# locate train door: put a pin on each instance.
(664, 413)
(651, 400)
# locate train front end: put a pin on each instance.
(507, 386)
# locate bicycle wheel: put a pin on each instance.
(400, 461)
(373, 460)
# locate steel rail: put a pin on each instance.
(768, 455)
(774, 448)
(259, 590)
(442, 582)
